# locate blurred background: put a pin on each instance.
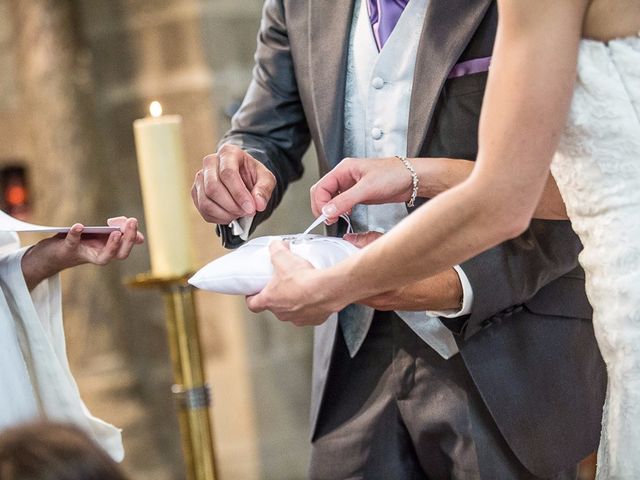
(74, 75)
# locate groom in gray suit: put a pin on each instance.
(505, 380)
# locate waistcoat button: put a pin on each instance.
(377, 83)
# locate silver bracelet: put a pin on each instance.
(414, 180)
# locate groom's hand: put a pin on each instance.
(231, 184)
(438, 293)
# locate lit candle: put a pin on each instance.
(160, 154)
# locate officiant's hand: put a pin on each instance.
(231, 184)
(61, 251)
(297, 292)
(360, 180)
(442, 292)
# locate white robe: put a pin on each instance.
(35, 380)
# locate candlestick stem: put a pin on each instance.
(190, 390)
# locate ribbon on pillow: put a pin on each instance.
(323, 218)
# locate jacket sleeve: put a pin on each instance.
(507, 276)
(270, 124)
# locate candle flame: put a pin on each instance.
(155, 109)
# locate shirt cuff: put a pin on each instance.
(241, 227)
(467, 298)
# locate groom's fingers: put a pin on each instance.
(361, 240)
(229, 162)
(264, 186)
(209, 209)
(215, 189)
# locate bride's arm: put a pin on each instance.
(528, 94)
(385, 180)
(526, 103)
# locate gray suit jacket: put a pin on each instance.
(529, 343)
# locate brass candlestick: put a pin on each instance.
(190, 389)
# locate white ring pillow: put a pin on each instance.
(247, 270)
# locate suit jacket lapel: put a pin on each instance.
(329, 26)
(448, 27)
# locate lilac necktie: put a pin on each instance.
(384, 15)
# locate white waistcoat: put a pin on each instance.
(376, 117)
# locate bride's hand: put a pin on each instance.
(360, 180)
(297, 292)
(61, 251)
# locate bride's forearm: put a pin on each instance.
(523, 117)
(457, 230)
(438, 175)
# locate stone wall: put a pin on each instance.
(13, 143)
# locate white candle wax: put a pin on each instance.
(160, 154)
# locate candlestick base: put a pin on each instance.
(191, 392)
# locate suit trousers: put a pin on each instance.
(400, 411)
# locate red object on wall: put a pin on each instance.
(15, 191)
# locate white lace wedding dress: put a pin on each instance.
(597, 169)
